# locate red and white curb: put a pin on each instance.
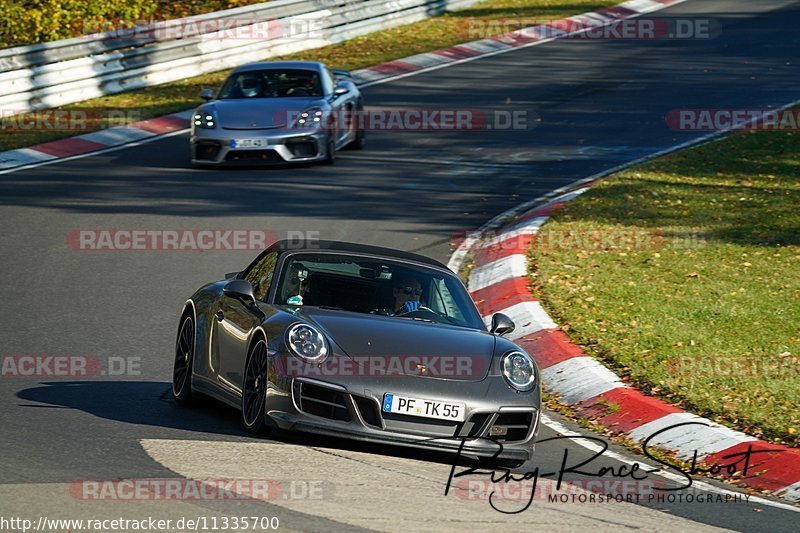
(498, 283)
(151, 129)
(97, 141)
(499, 44)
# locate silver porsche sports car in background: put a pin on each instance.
(360, 342)
(277, 112)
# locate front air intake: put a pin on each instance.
(322, 402)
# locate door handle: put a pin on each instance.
(220, 316)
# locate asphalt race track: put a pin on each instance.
(599, 104)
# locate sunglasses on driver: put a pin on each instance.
(408, 291)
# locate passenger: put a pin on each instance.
(308, 87)
(295, 288)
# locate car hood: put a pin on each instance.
(391, 345)
(259, 114)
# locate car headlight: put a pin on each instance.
(204, 119)
(310, 118)
(519, 370)
(307, 343)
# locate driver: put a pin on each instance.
(406, 294)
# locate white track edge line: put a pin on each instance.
(702, 485)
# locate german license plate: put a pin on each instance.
(249, 143)
(404, 405)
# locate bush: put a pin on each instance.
(37, 21)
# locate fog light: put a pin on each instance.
(498, 431)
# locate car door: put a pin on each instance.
(235, 320)
(339, 107)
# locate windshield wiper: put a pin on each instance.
(415, 318)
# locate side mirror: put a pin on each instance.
(341, 73)
(240, 289)
(231, 275)
(340, 90)
(501, 324)
(207, 94)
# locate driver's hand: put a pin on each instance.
(410, 306)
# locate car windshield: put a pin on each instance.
(376, 286)
(272, 83)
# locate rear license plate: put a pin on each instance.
(403, 405)
(249, 143)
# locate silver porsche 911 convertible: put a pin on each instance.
(277, 112)
(360, 342)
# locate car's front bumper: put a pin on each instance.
(355, 413)
(221, 146)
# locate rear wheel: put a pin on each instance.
(184, 359)
(254, 390)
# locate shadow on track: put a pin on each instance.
(134, 402)
(150, 403)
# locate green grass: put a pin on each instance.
(684, 275)
(431, 34)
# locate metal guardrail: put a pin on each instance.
(53, 74)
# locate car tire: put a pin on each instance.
(184, 361)
(330, 151)
(359, 142)
(361, 135)
(254, 389)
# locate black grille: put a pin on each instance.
(253, 155)
(369, 411)
(517, 425)
(323, 402)
(302, 148)
(207, 150)
(422, 425)
(475, 426)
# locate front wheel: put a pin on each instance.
(359, 142)
(360, 138)
(254, 391)
(330, 151)
(184, 359)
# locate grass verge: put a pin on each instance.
(683, 274)
(483, 20)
